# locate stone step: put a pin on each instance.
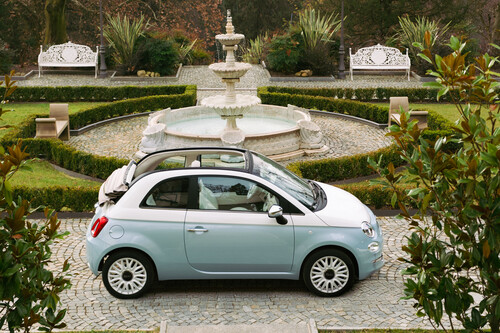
(304, 327)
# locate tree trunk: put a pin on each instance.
(496, 34)
(55, 22)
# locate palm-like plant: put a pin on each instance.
(254, 54)
(316, 29)
(414, 32)
(122, 36)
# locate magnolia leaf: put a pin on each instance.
(486, 249)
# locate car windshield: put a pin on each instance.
(286, 180)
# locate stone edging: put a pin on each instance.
(296, 78)
(348, 117)
(76, 132)
(147, 79)
(25, 76)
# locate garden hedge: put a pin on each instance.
(55, 151)
(92, 93)
(361, 94)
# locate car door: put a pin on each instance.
(230, 230)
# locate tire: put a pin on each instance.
(328, 273)
(128, 274)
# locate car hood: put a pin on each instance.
(342, 209)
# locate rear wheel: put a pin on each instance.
(127, 274)
(328, 273)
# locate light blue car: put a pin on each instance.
(217, 213)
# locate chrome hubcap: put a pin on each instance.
(127, 276)
(329, 274)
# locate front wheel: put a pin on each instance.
(328, 273)
(127, 274)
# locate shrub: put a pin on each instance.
(200, 57)
(318, 60)
(256, 52)
(410, 32)
(284, 54)
(453, 252)
(158, 55)
(29, 291)
(122, 36)
(5, 59)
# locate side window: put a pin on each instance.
(172, 162)
(231, 193)
(171, 193)
(222, 161)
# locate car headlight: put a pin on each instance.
(368, 229)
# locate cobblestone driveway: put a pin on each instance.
(374, 302)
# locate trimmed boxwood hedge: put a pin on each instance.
(55, 151)
(361, 94)
(91, 93)
(78, 198)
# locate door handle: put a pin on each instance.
(198, 229)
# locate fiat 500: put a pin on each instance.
(217, 213)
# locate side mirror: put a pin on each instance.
(277, 212)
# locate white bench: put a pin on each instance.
(401, 103)
(55, 126)
(381, 58)
(68, 55)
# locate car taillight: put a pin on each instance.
(98, 225)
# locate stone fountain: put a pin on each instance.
(275, 131)
(231, 105)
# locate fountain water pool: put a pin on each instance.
(215, 125)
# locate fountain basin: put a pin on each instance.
(228, 71)
(219, 104)
(229, 39)
(269, 129)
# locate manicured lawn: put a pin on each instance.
(21, 110)
(44, 175)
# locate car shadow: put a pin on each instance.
(211, 286)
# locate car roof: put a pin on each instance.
(225, 157)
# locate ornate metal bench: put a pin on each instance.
(68, 55)
(381, 58)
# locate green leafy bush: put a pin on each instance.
(158, 55)
(200, 57)
(29, 291)
(5, 59)
(284, 54)
(453, 252)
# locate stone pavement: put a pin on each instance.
(205, 79)
(372, 303)
(343, 137)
